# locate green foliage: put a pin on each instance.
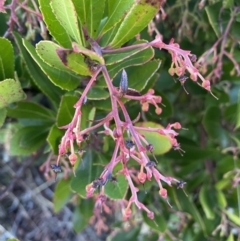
(57, 69)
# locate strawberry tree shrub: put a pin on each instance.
(92, 87)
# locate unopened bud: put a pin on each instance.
(72, 158)
(127, 213)
(145, 107)
(158, 111)
(163, 192)
(142, 177)
(171, 71)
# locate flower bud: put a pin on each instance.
(158, 111)
(72, 158)
(177, 126)
(151, 215)
(163, 192)
(145, 106)
(171, 71)
(127, 213)
(142, 177)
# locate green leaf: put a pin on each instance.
(96, 93)
(233, 217)
(139, 79)
(47, 50)
(3, 114)
(66, 110)
(230, 237)
(86, 174)
(135, 60)
(79, 222)
(6, 59)
(161, 143)
(62, 59)
(108, 36)
(211, 123)
(187, 205)
(66, 14)
(117, 9)
(86, 208)
(158, 223)
(203, 197)
(31, 110)
(28, 139)
(53, 25)
(62, 194)
(113, 58)
(54, 138)
(117, 190)
(213, 16)
(39, 78)
(238, 112)
(140, 14)
(228, 3)
(131, 234)
(58, 77)
(86, 52)
(222, 202)
(10, 92)
(90, 13)
(91, 116)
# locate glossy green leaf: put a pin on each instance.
(47, 50)
(213, 16)
(66, 14)
(117, 190)
(53, 25)
(6, 59)
(86, 52)
(86, 174)
(54, 138)
(129, 235)
(62, 194)
(140, 14)
(10, 92)
(135, 60)
(221, 198)
(161, 143)
(108, 36)
(79, 222)
(230, 237)
(28, 139)
(204, 192)
(75, 62)
(39, 78)
(86, 208)
(185, 204)
(233, 217)
(91, 116)
(158, 223)
(238, 112)
(58, 77)
(211, 122)
(139, 79)
(96, 93)
(66, 110)
(62, 59)
(116, 12)
(12, 239)
(31, 110)
(90, 13)
(3, 114)
(228, 3)
(113, 58)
